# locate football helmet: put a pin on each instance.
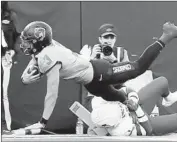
(35, 36)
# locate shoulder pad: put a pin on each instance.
(45, 63)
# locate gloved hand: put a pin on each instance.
(132, 105)
(30, 75)
(32, 129)
(37, 125)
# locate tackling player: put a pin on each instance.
(121, 121)
(56, 61)
(148, 95)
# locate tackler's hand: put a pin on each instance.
(131, 104)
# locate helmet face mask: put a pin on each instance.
(27, 46)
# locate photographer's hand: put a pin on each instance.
(95, 51)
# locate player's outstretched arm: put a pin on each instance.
(53, 79)
(152, 51)
(129, 70)
(132, 104)
(50, 98)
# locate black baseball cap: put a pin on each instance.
(107, 29)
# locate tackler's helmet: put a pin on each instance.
(35, 36)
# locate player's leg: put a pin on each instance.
(151, 93)
(3, 121)
(164, 124)
(121, 72)
(6, 78)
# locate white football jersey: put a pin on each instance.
(115, 117)
(73, 65)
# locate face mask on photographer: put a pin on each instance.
(108, 40)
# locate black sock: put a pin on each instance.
(43, 121)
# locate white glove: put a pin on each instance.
(34, 129)
(37, 125)
(30, 75)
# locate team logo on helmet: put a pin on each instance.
(39, 33)
(108, 30)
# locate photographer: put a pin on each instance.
(106, 49)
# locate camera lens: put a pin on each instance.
(107, 50)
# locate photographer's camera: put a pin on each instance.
(106, 50)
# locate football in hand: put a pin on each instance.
(34, 69)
